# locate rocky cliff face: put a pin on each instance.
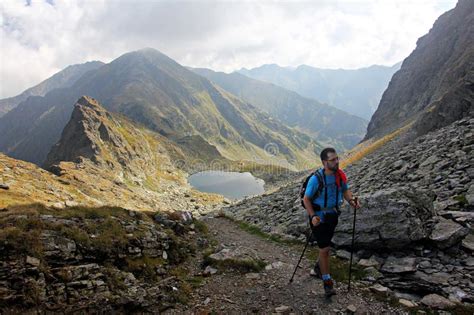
(435, 83)
(416, 218)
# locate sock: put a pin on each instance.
(326, 277)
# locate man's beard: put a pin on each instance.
(335, 168)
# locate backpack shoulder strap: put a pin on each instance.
(320, 180)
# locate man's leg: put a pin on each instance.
(324, 260)
(324, 253)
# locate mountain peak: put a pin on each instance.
(88, 101)
(83, 135)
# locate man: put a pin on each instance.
(323, 206)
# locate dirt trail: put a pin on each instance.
(234, 292)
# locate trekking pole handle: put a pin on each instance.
(356, 201)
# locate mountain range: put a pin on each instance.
(357, 92)
(153, 90)
(327, 124)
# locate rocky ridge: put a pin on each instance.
(90, 259)
(414, 231)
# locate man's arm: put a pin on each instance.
(311, 189)
(354, 202)
(348, 195)
(315, 220)
(308, 206)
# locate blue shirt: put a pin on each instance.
(312, 187)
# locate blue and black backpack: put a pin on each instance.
(305, 184)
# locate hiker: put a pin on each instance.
(322, 200)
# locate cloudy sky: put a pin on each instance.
(39, 38)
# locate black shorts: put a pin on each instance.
(324, 232)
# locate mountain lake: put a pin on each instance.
(232, 185)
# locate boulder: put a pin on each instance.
(407, 303)
(436, 301)
(468, 242)
(380, 290)
(447, 233)
(391, 218)
(239, 257)
(371, 262)
(399, 265)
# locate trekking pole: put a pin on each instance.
(352, 247)
(297, 265)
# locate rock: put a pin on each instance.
(207, 301)
(252, 276)
(32, 261)
(457, 295)
(351, 308)
(372, 274)
(380, 290)
(399, 265)
(425, 264)
(54, 244)
(71, 203)
(274, 265)
(391, 218)
(468, 242)
(4, 186)
(58, 205)
(371, 262)
(436, 279)
(283, 309)
(442, 205)
(407, 303)
(209, 271)
(238, 254)
(447, 233)
(458, 216)
(344, 254)
(469, 262)
(165, 255)
(470, 195)
(436, 301)
(407, 296)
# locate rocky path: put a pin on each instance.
(269, 291)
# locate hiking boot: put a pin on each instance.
(329, 288)
(316, 271)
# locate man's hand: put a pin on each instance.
(355, 203)
(315, 220)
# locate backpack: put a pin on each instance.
(305, 184)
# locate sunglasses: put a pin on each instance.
(333, 159)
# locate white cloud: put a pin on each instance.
(39, 39)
